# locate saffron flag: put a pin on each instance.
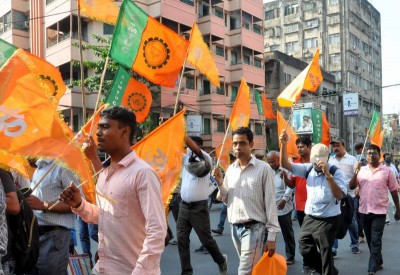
(6, 51)
(129, 92)
(267, 107)
(30, 124)
(320, 127)
(50, 76)
(240, 114)
(100, 10)
(291, 144)
(90, 127)
(223, 156)
(199, 56)
(146, 46)
(17, 162)
(374, 126)
(162, 149)
(378, 139)
(309, 79)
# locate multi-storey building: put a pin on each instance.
(232, 29)
(348, 34)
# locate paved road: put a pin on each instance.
(347, 263)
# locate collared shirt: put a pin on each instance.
(283, 192)
(347, 165)
(320, 200)
(131, 218)
(374, 186)
(194, 188)
(49, 189)
(301, 190)
(249, 195)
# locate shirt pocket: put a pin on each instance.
(117, 204)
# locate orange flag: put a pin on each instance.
(326, 136)
(309, 79)
(162, 149)
(199, 56)
(267, 107)
(223, 156)
(291, 144)
(87, 129)
(100, 10)
(377, 138)
(240, 114)
(16, 162)
(30, 124)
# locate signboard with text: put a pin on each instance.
(350, 104)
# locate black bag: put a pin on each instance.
(346, 208)
(25, 240)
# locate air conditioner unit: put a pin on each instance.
(26, 24)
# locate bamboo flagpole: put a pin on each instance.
(179, 86)
(81, 63)
(223, 142)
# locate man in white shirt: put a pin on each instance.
(346, 163)
(248, 190)
(284, 205)
(388, 162)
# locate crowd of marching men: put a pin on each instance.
(130, 214)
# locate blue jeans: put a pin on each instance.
(53, 252)
(86, 230)
(249, 243)
(222, 216)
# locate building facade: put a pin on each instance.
(348, 34)
(232, 29)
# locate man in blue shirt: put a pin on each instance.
(322, 209)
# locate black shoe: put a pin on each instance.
(217, 231)
(200, 249)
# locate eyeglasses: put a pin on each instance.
(371, 153)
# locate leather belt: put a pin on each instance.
(45, 229)
(246, 224)
(194, 203)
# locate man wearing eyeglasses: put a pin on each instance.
(374, 181)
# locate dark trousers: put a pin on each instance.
(174, 208)
(285, 222)
(359, 223)
(373, 227)
(222, 216)
(87, 231)
(316, 239)
(198, 218)
(300, 217)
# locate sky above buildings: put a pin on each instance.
(390, 22)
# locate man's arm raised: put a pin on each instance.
(284, 161)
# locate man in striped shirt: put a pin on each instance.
(248, 190)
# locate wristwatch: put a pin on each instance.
(46, 206)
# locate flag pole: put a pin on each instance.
(81, 63)
(223, 142)
(179, 85)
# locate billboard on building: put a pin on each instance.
(302, 121)
(350, 104)
(194, 125)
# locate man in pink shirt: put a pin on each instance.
(374, 181)
(129, 211)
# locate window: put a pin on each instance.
(288, 79)
(291, 46)
(221, 90)
(49, 1)
(274, 48)
(258, 62)
(308, 6)
(5, 22)
(269, 15)
(234, 57)
(338, 76)
(189, 2)
(333, 2)
(378, 73)
(354, 79)
(354, 41)
(334, 39)
(333, 19)
(20, 20)
(353, 59)
(234, 93)
(291, 9)
(292, 28)
(220, 126)
(108, 29)
(311, 23)
(270, 32)
(258, 129)
(190, 82)
(218, 12)
(257, 29)
(234, 23)
(364, 84)
(206, 87)
(335, 59)
(311, 43)
(219, 50)
(247, 56)
(206, 126)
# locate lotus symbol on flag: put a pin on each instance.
(11, 123)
